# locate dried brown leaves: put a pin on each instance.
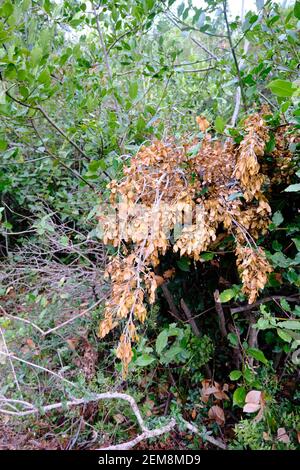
(205, 181)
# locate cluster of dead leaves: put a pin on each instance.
(222, 185)
(212, 388)
(254, 269)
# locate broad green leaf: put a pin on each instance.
(281, 88)
(239, 397)
(277, 218)
(233, 339)
(280, 260)
(144, 360)
(284, 335)
(207, 256)
(219, 124)
(7, 9)
(285, 305)
(297, 242)
(44, 77)
(133, 90)
(184, 264)
(289, 324)
(297, 9)
(257, 354)
(262, 324)
(36, 55)
(161, 341)
(235, 375)
(227, 295)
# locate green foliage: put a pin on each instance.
(78, 97)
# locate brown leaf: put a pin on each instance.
(169, 273)
(217, 414)
(254, 396)
(251, 407)
(202, 123)
(159, 280)
(283, 436)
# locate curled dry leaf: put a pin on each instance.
(217, 414)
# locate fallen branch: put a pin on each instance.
(194, 429)
(149, 434)
(146, 433)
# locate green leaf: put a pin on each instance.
(36, 55)
(161, 341)
(257, 354)
(44, 77)
(293, 188)
(235, 375)
(289, 324)
(219, 124)
(233, 339)
(144, 360)
(277, 218)
(284, 335)
(262, 324)
(285, 305)
(133, 90)
(184, 264)
(280, 260)
(227, 295)
(239, 396)
(297, 242)
(281, 88)
(297, 9)
(7, 9)
(207, 256)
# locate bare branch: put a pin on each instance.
(194, 429)
(149, 434)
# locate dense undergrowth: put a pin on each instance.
(153, 110)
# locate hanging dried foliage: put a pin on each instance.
(179, 197)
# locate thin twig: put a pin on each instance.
(36, 366)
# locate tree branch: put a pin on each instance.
(234, 56)
(245, 308)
